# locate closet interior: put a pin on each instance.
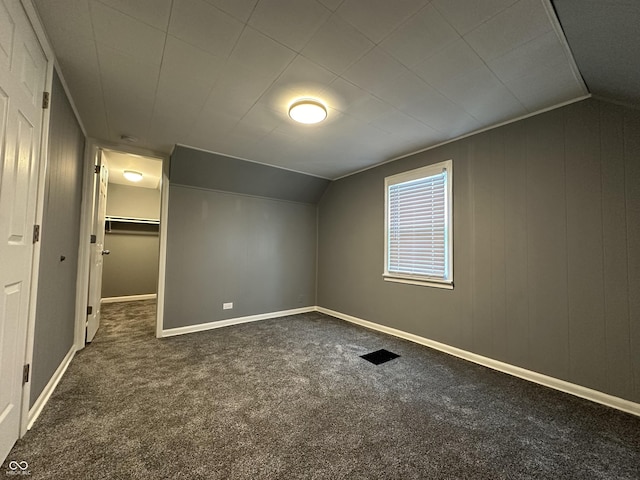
(131, 227)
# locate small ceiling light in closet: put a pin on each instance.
(132, 176)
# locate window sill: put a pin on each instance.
(416, 281)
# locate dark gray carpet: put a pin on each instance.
(291, 398)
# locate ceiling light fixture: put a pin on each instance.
(132, 176)
(308, 111)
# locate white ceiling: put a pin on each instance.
(219, 75)
(118, 162)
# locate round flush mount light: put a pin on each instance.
(132, 176)
(308, 111)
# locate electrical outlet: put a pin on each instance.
(227, 306)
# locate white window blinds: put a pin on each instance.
(418, 217)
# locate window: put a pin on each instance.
(419, 226)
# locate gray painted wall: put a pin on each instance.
(258, 253)
(217, 172)
(547, 248)
(55, 314)
(135, 202)
(132, 266)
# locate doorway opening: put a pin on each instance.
(125, 231)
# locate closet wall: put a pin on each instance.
(132, 266)
(240, 232)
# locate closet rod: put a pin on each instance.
(152, 221)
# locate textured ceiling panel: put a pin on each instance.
(132, 37)
(152, 12)
(337, 45)
(378, 18)
(424, 34)
(204, 26)
(221, 74)
(465, 15)
(290, 22)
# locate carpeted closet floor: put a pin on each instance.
(291, 398)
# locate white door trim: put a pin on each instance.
(40, 192)
(162, 267)
(84, 245)
(98, 231)
(86, 216)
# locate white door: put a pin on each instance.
(97, 250)
(23, 68)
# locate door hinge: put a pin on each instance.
(93, 239)
(45, 100)
(97, 168)
(36, 233)
(25, 373)
(89, 310)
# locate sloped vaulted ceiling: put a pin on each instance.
(604, 36)
(397, 76)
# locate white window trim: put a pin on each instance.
(421, 172)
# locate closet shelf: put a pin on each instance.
(131, 225)
(151, 221)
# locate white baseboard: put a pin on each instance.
(557, 384)
(234, 321)
(44, 397)
(129, 298)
